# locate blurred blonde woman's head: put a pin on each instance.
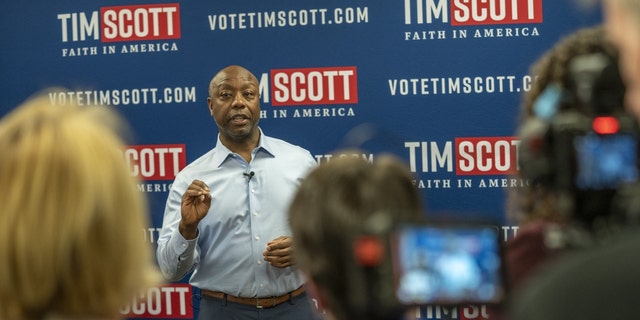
(71, 219)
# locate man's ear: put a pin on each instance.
(210, 105)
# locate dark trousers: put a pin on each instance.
(298, 308)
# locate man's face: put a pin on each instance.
(624, 31)
(235, 103)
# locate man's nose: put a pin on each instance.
(238, 101)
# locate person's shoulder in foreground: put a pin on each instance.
(599, 283)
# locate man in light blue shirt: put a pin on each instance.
(226, 214)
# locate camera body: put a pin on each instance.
(418, 263)
(586, 148)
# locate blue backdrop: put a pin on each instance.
(437, 82)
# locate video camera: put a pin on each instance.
(582, 143)
(415, 264)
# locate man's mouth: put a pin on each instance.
(239, 120)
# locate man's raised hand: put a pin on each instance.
(196, 202)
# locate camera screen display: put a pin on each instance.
(604, 162)
(447, 264)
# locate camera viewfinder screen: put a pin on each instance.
(604, 162)
(447, 265)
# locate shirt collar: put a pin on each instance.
(222, 153)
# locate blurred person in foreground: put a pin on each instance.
(536, 208)
(335, 204)
(600, 281)
(225, 218)
(71, 216)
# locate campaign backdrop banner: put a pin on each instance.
(436, 82)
